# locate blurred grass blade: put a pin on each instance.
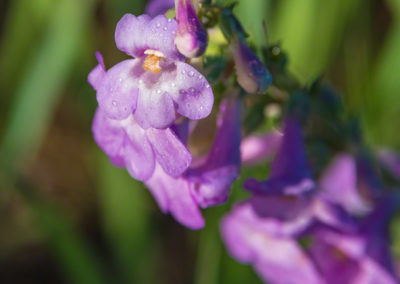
(40, 85)
(386, 85)
(311, 31)
(76, 258)
(23, 24)
(125, 214)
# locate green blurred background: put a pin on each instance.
(68, 216)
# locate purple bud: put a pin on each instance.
(252, 75)
(191, 38)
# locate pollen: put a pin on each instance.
(152, 63)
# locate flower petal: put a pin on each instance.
(157, 7)
(97, 74)
(277, 260)
(129, 34)
(135, 35)
(173, 195)
(213, 179)
(139, 156)
(155, 108)
(109, 136)
(117, 92)
(171, 154)
(339, 185)
(190, 91)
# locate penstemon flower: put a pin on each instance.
(191, 39)
(357, 257)
(290, 173)
(207, 183)
(154, 86)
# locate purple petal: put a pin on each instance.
(290, 173)
(171, 154)
(135, 35)
(256, 149)
(213, 179)
(390, 160)
(277, 260)
(117, 92)
(190, 91)
(339, 185)
(125, 143)
(96, 76)
(173, 195)
(155, 108)
(109, 136)
(157, 7)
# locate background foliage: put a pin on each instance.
(67, 215)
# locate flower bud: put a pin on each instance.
(252, 75)
(191, 38)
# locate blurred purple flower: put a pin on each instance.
(290, 174)
(206, 184)
(191, 39)
(157, 7)
(130, 146)
(362, 257)
(268, 244)
(391, 161)
(155, 85)
(339, 185)
(252, 75)
(258, 148)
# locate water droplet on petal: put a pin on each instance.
(158, 25)
(114, 103)
(158, 91)
(165, 28)
(173, 84)
(191, 73)
(169, 20)
(182, 92)
(183, 72)
(192, 90)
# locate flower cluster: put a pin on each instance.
(321, 220)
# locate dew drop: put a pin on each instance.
(114, 103)
(169, 20)
(173, 84)
(192, 90)
(158, 25)
(183, 72)
(182, 92)
(158, 91)
(191, 73)
(165, 28)
(140, 81)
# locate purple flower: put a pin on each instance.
(268, 245)
(290, 174)
(258, 148)
(360, 257)
(339, 185)
(390, 160)
(154, 86)
(208, 183)
(252, 75)
(191, 39)
(157, 7)
(130, 146)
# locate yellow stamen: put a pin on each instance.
(152, 63)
